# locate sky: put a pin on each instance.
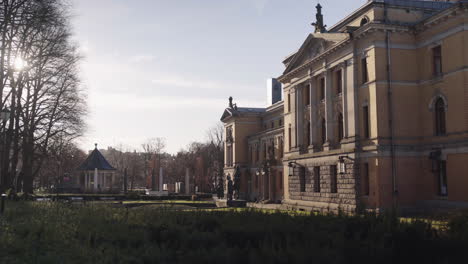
(165, 68)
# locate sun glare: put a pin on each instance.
(20, 64)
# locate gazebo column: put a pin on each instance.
(96, 179)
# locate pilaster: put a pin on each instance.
(328, 110)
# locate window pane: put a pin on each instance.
(316, 179)
(365, 75)
(302, 179)
(365, 120)
(339, 87)
(333, 179)
(437, 60)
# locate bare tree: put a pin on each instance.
(39, 83)
(153, 149)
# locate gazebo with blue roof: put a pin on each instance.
(98, 173)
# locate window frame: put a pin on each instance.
(364, 70)
(440, 120)
(340, 133)
(307, 95)
(366, 121)
(333, 179)
(317, 188)
(302, 179)
(323, 130)
(365, 179)
(437, 61)
(322, 88)
(339, 82)
(442, 178)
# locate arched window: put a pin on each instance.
(324, 131)
(340, 127)
(439, 108)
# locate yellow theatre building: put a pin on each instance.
(373, 114)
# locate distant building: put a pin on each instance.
(375, 112)
(254, 142)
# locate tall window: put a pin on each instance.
(365, 74)
(365, 121)
(229, 150)
(439, 108)
(308, 134)
(307, 95)
(333, 179)
(251, 154)
(289, 102)
(281, 147)
(257, 153)
(324, 131)
(322, 88)
(339, 82)
(437, 60)
(340, 127)
(265, 151)
(365, 179)
(289, 137)
(442, 178)
(280, 122)
(302, 179)
(317, 179)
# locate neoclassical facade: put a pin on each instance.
(254, 143)
(376, 109)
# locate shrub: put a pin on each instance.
(61, 233)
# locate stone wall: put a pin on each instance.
(345, 197)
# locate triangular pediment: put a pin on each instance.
(227, 113)
(314, 45)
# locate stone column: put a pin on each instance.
(350, 109)
(160, 179)
(328, 110)
(86, 181)
(187, 182)
(314, 122)
(299, 117)
(293, 118)
(96, 179)
(344, 95)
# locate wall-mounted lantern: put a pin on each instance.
(291, 166)
(342, 164)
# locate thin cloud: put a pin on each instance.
(260, 5)
(142, 58)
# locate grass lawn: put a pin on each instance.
(32, 232)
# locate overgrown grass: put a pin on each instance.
(61, 233)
